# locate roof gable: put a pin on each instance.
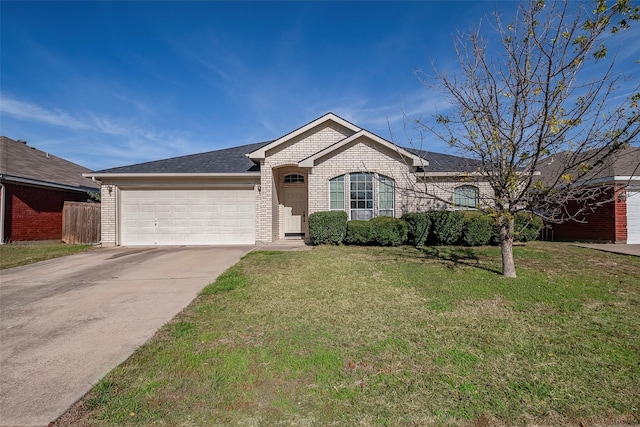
(261, 153)
(22, 163)
(416, 161)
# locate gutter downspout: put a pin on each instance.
(3, 199)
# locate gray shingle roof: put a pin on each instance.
(439, 162)
(625, 162)
(228, 160)
(234, 160)
(19, 161)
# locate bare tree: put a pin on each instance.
(546, 92)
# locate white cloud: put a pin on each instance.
(95, 140)
(31, 112)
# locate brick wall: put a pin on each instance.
(287, 154)
(35, 213)
(361, 155)
(620, 211)
(108, 214)
(607, 223)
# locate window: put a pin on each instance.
(361, 195)
(336, 193)
(466, 197)
(385, 196)
(294, 178)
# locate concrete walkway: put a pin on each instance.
(286, 245)
(611, 247)
(66, 322)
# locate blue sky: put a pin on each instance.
(105, 84)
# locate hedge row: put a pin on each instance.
(469, 228)
(381, 231)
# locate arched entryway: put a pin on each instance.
(293, 200)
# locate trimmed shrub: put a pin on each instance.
(446, 227)
(389, 231)
(327, 227)
(359, 232)
(479, 229)
(527, 227)
(418, 223)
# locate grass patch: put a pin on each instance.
(392, 336)
(17, 254)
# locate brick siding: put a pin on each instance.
(108, 214)
(35, 213)
(268, 227)
(607, 223)
(361, 155)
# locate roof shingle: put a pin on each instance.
(19, 160)
(228, 160)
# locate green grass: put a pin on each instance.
(392, 336)
(17, 254)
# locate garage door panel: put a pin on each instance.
(183, 217)
(633, 217)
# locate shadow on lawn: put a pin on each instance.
(457, 256)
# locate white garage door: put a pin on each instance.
(633, 217)
(187, 217)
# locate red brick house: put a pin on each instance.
(33, 188)
(616, 218)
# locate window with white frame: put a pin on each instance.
(385, 196)
(466, 197)
(336, 193)
(361, 195)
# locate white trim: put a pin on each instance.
(181, 185)
(171, 175)
(374, 194)
(462, 173)
(393, 194)
(458, 195)
(344, 184)
(310, 161)
(457, 173)
(610, 179)
(45, 184)
(261, 153)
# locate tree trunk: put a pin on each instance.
(506, 247)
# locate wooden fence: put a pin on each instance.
(81, 222)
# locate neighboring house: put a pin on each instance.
(615, 214)
(266, 191)
(33, 188)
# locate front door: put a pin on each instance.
(295, 210)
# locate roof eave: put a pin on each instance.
(47, 184)
(99, 175)
(617, 179)
(448, 173)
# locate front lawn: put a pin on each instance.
(17, 254)
(392, 336)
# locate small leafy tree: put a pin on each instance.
(94, 197)
(545, 95)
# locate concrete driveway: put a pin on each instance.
(67, 322)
